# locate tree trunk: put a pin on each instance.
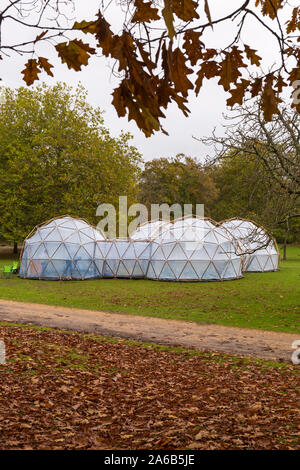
(15, 250)
(286, 238)
(284, 249)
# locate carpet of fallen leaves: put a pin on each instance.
(62, 390)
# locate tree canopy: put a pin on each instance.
(180, 180)
(57, 157)
(162, 51)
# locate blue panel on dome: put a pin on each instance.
(211, 273)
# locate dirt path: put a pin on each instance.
(240, 341)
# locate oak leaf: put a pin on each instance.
(208, 70)
(31, 71)
(252, 56)
(294, 23)
(230, 68)
(193, 46)
(238, 93)
(186, 10)
(269, 99)
(270, 7)
(85, 26)
(44, 64)
(144, 12)
(179, 72)
(256, 87)
(75, 53)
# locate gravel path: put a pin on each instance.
(207, 337)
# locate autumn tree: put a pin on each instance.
(275, 144)
(180, 180)
(163, 51)
(245, 190)
(57, 157)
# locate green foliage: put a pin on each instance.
(56, 157)
(181, 180)
(246, 190)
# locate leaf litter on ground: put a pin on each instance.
(69, 390)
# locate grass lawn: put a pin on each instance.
(269, 301)
(66, 390)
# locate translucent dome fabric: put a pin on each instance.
(194, 249)
(251, 237)
(125, 258)
(65, 248)
(148, 230)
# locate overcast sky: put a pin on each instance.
(206, 109)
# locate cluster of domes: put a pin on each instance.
(189, 249)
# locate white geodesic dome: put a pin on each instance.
(194, 249)
(125, 258)
(148, 230)
(260, 252)
(64, 248)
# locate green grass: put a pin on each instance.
(267, 301)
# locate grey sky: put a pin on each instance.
(206, 109)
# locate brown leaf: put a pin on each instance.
(31, 71)
(270, 7)
(186, 10)
(230, 67)
(294, 23)
(269, 99)
(193, 46)
(167, 13)
(104, 35)
(256, 87)
(75, 53)
(280, 84)
(87, 26)
(208, 70)
(238, 93)
(202, 435)
(44, 64)
(207, 11)
(252, 56)
(144, 12)
(40, 36)
(179, 72)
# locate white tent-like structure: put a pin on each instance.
(62, 249)
(125, 258)
(194, 249)
(148, 230)
(260, 251)
(189, 249)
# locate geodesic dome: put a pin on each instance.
(64, 248)
(147, 230)
(259, 248)
(125, 258)
(194, 249)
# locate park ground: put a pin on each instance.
(74, 390)
(267, 301)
